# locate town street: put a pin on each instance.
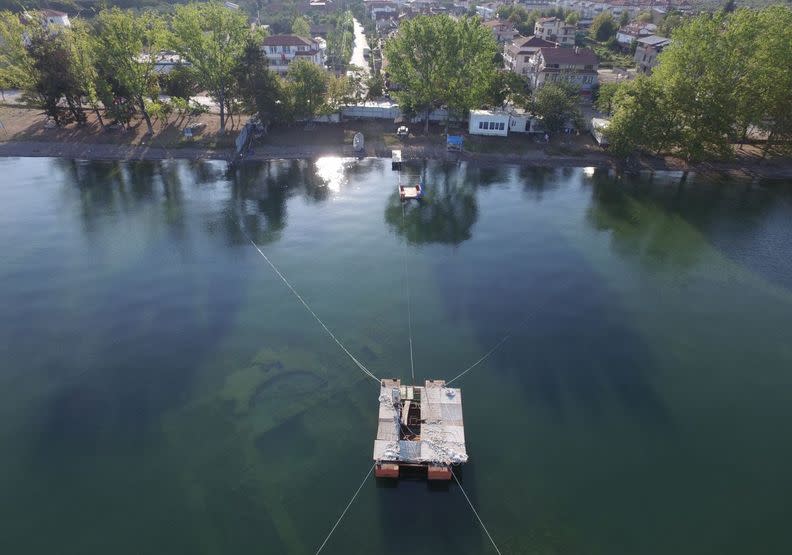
(360, 44)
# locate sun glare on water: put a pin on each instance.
(330, 169)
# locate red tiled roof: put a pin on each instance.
(285, 40)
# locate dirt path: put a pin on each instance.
(25, 134)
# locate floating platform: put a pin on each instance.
(420, 429)
(411, 192)
(396, 159)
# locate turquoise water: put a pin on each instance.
(161, 390)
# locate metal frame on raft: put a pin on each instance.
(420, 430)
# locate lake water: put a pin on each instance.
(162, 391)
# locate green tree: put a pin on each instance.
(670, 22)
(603, 27)
(556, 104)
(212, 38)
(572, 18)
(83, 57)
(696, 76)
(509, 87)
(308, 86)
(126, 47)
(605, 95)
(54, 78)
(644, 17)
(259, 89)
(770, 92)
(16, 65)
(624, 19)
(301, 27)
(375, 86)
(181, 82)
(641, 118)
(438, 61)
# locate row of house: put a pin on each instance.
(281, 50)
(627, 35)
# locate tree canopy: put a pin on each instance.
(603, 27)
(126, 45)
(212, 38)
(722, 75)
(438, 61)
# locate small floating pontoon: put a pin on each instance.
(408, 192)
(420, 429)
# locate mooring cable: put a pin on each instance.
(475, 512)
(360, 487)
(407, 289)
(479, 361)
(305, 304)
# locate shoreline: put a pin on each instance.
(773, 169)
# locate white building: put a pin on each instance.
(572, 65)
(282, 49)
(555, 30)
(517, 55)
(381, 9)
(498, 123)
(55, 18)
(489, 122)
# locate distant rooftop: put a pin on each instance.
(654, 40)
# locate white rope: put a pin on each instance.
(346, 509)
(475, 512)
(308, 308)
(409, 303)
(479, 361)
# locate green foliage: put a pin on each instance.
(258, 88)
(572, 18)
(212, 38)
(670, 22)
(439, 61)
(308, 87)
(375, 86)
(509, 87)
(301, 27)
(721, 75)
(641, 120)
(603, 27)
(54, 76)
(624, 19)
(694, 77)
(181, 82)
(126, 44)
(340, 42)
(611, 57)
(604, 98)
(556, 104)
(16, 65)
(644, 17)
